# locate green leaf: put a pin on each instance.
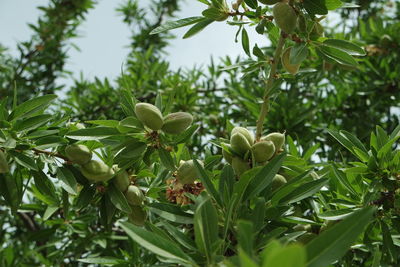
(212, 13)
(304, 191)
(334, 215)
(31, 106)
(298, 53)
(315, 7)
(198, 27)
(93, 133)
(85, 197)
(103, 260)
(292, 255)
(245, 42)
(264, 177)
(169, 25)
(388, 245)
(245, 236)
(349, 47)
(45, 186)
(156, 243)
(50, 210)
(23, 160)
(118, 199)
(337, 56)
(206, 228)
(342, 178)
(209, 186)
(68, 181)
(251, 3)
(11, 190)
(31, 123)
(166, 159)
(334, 242)
(171, 213)
(333, 4)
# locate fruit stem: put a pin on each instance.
(269, 85)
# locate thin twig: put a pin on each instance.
(269, 85)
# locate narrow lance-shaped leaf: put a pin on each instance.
(169, 25)
(333, 243)
(156, 244)
(206, 228)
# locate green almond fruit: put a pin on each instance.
(187, 172)
(277, 138)
(97, 171)
(79, 154)
(134, 195)
(138, 216)
(263, 150)
(239, 143)
(246, 133)
(269, 2)
(277, 182)
(291, 68)
(121, 179)
(227, 155)
(240, 166)
(4, 168)
(176, 123)
(285, 17)
(149, 115)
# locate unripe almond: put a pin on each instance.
(239, 143)
(121, 179)
(285, 17)
(227, 155)
(176, 123)
(246, 133)
(240, 166)
(4, 168)
(291, 68)
(97, 171)
(149, 115)
(263, 150)
(79, 154)
(134, 195)
(187, 172)
(269, 2)
(277, 182)
(277, 138)
(138, 216)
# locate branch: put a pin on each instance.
(270, 83)
(52, 154)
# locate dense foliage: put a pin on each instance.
(288, 157)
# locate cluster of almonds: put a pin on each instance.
(97, 171)
(243, 149)
(152, 118)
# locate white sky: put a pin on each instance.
(104, 37)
